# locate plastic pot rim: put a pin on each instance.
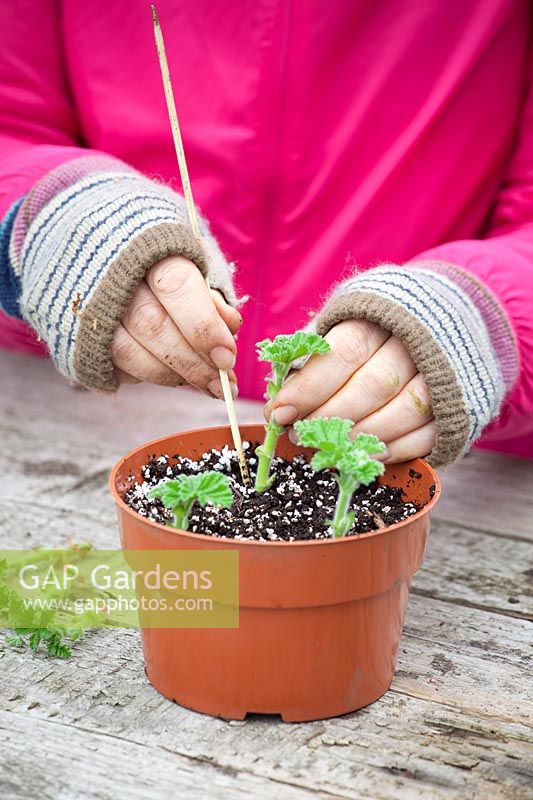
(195, 536)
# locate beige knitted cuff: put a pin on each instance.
(451, 415)
(85, 253)
(101, 315)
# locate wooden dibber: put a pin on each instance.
(193, 220)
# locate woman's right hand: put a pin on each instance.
(176, 331)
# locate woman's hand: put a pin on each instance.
(368, 377)
(175, 331)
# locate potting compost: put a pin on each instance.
(295, 508)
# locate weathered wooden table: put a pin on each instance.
(455, 724)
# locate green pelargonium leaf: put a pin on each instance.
(359, 465)
(207, 487)
(369, 443)
(326, 459)
(172, 493)
(335, 449)
(285, 349)
(213, 488)
(321, 433)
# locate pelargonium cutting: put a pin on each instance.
(180, 494)
(202, 495)
(282, 353)
(350, 459)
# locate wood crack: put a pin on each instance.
(469, 604)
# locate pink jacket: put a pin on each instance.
(318, 135)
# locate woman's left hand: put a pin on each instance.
(370, 378)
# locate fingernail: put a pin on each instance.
(383, 456)
(215, 387)
(284, 415)
(222, 358)
(293, 436)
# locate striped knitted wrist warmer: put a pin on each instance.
(80, 244)
(456, 333)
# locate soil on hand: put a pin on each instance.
(295, 508)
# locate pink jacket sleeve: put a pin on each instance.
(464, 310)
(38, 125)
(78, 228)
(503, 260)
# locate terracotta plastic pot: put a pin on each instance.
(320, 621)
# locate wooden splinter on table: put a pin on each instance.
(193, 220)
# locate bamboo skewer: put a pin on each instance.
(193, 220)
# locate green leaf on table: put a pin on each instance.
(32, 627)
(56, 646)
(14, 640)
(35, 640)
